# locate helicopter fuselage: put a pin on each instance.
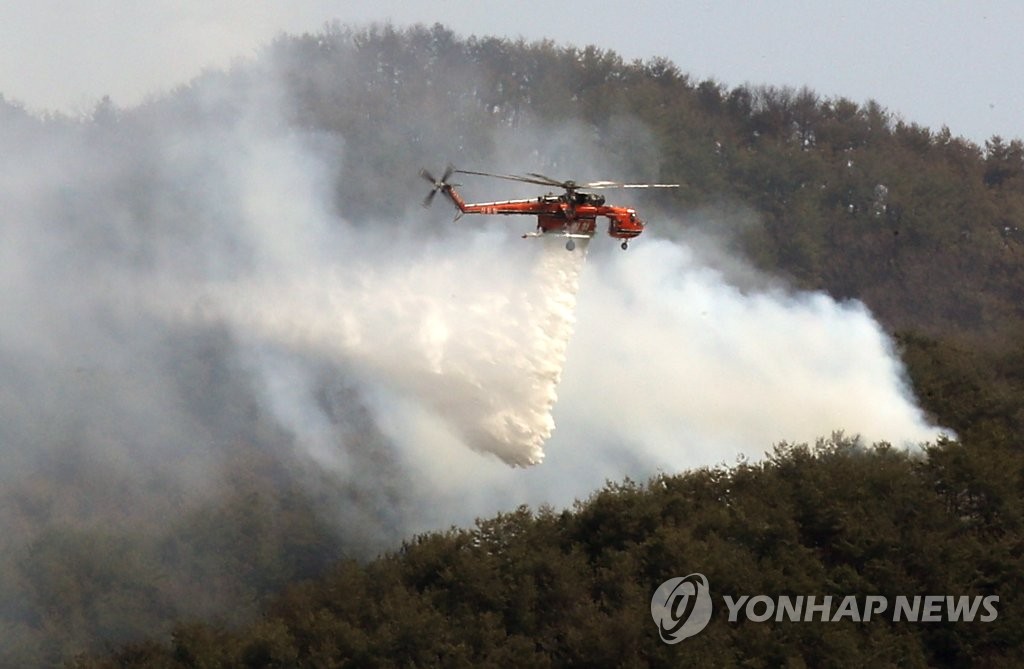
(573, 214)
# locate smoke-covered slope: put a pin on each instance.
(232, 337)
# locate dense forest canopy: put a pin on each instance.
(925, 228)
(543, 588)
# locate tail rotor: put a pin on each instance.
(438, 184)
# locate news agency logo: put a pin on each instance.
(681, 607)
(916, 609)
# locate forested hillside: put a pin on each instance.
(925, 228)
(535, 589)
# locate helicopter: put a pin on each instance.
(572, 214)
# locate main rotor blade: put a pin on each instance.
(616, 184)
(428, 176)
(544, 180)
(429, 198)
(513, 177)
(549, 180)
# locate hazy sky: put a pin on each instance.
(931, 62)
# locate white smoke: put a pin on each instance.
(478, 343)
(693, 369)
(458, 339)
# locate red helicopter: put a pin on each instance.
(573, 214)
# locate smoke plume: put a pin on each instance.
(194, 304)
(457, 339)
(453, 336)
(478, 345)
